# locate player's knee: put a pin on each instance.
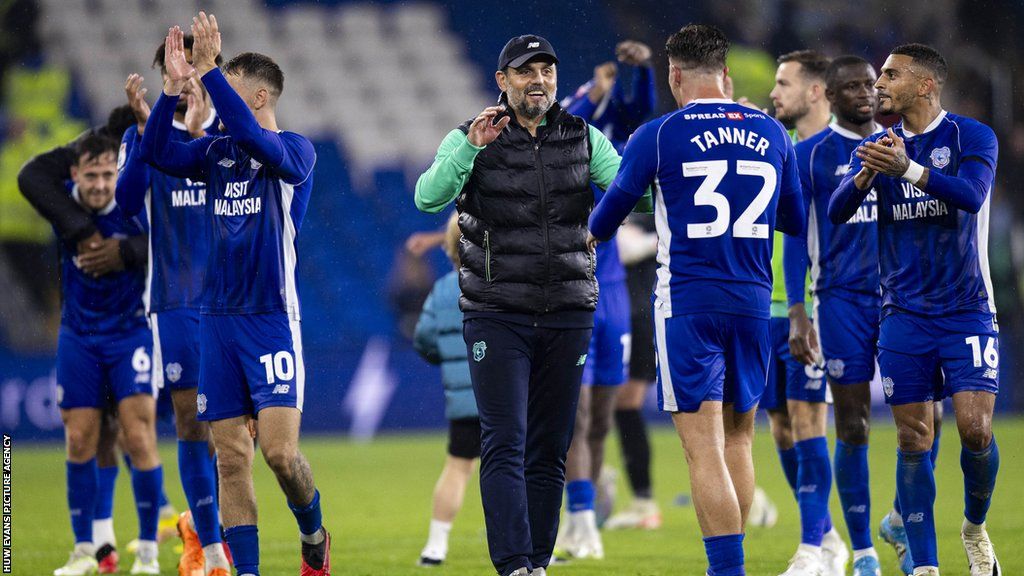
(599, 430)
(81, 445)
(914, 436)
(190, 429)
(853, 431)
(976, 436)
(139, 440)
(280, 458)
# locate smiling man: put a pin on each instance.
(843, 261)
(932, 174)
(521, 172)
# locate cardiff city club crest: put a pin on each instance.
(940, 157)
(201, 403)
(836, 367)
(887, 386)
(479, 350)
(173, 371)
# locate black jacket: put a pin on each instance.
(41, 181)
(523, 215)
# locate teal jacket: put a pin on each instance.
(438, 338)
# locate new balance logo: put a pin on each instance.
(282, 388)
(204, 501)
(915, 517)
(858, 509)
(807, 489)
(533, 45)
(990, 373)
(226, 162)
(582, 360)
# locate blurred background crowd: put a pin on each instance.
(376, 86)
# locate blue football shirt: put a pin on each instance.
(843, 257)
(721, 171)
(176, 207)
(933, 257)
(111, 304)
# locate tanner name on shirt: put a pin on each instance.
(727, 135)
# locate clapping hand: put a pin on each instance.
(136, 99)
(178, 69)
(206, 47)
(886, 156)
(482, 132)
(198, 110)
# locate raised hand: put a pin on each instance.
(886, 156)
(207, 42)
(482, 132)
(136, 99)
(633, 53)
(198, 109)
(178, 69)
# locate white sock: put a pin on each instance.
(437, 540)
(314, 538)
(816, 550)
(103, 532)
(968, 527)
(85, 548)
(895, 519)
(215, 557)
(869, 551)
(586, 519)
(926, 570)
(147, 550)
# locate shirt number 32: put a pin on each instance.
(713, 172)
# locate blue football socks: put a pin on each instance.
(851, 470)
(814, 481)
(915, 487)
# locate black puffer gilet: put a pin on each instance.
(523, 214)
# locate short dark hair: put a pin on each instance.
(258, 67)
(698, 46)
(813, 64)
(925, 56)
(840, 62)
(94, 144)
(118, 121)
(158, 58)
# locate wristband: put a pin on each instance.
(914, 172)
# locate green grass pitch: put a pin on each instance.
(377, 503)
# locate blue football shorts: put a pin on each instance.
(848, 333)
(249, 362)
(924, 359)
(95, 370)
(608, 357)
(787, 377)
(175, 348)
(710, 357)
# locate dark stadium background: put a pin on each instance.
(377, 85)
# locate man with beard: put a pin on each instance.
(178, 250)
(932, 174)
(521, 172)
(844, 281)
(800, 104)
(726, 177)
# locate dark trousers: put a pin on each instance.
(527, 383)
